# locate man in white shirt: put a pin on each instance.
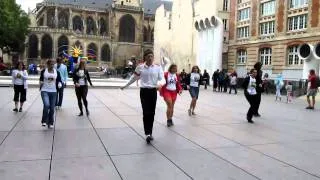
(149, 75)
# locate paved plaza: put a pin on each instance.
(217, 143)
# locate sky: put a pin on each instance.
(25, 4)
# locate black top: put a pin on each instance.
(259, 81)
(76, 77)
(57, 80)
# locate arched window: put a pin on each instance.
(145, 34)
(92, 51)
(77, 24)
(46, 46)
(64, 20)
(51, 19)
(33, 46)
(105, 53)
(103, 27)
(63, 45)
(266, 56)
(91, 26)
(127, 29)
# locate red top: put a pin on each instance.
(313, 81)
(178, 84)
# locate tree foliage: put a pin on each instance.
(14, 23)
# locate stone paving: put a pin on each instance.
(217, 143)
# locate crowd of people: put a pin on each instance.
(152, 78)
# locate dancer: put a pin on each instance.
(64, 78)
(149, 74)
(193, 82)
(250, 91)
(170, 90)
(279, 84)
(258, 67)
(81, 78)
(20, 85)
(50, 81)
(312, 89)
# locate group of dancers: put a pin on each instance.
(152, 79)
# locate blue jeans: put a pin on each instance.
(49, 102)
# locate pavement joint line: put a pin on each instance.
(20, 119)
(271, 157)
(142, 136)
(52, 147)
(103, 145)
(24, 160)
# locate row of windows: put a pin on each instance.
(269, 7)
(295, 23)
(265, 56)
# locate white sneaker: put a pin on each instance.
(44, 124)
(51, 126)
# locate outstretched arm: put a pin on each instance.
(132, 79)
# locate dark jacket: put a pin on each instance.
(57, 80)
(188, 79)
(259, 81)
(76, 78)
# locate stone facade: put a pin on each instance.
(110, 32)
(293, 24)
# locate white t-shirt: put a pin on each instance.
(194, 79)
(49, 81)
(172, 82)
(149, 75)
(81, 75)
(233, 80)
(252, 86)
(16, 80)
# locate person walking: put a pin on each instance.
(170, 91)
(206, 78)
(183, 76)
(250, 91)
(312, 89)
(289, 91)
(279, 84)
(215, 78)
(81, 78)
(20, 85)
(50, 81)
(64, 78)
(258, 67)
(193, 82)
(151, 79)
(233, 83)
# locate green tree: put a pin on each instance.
(14, 23)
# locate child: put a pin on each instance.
(289, 91)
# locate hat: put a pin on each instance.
(147, 52)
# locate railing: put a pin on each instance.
(74, 6)
(119, 6)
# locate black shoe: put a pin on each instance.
(20, 110)
(88, 113)
(169, 122)
(250, 121)
(257, 115)
(15, 109)
(148, 139)
(81, 114)
(309, 107)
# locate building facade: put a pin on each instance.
(178, 32)
(108, 31)
(270, 31)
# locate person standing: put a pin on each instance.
(170, 91)
(258, 67)
(250, 91)
(149, 74)
(193, 82)
(279, 84)
(183, 76)
(265, 83)
(221, 81)
(312, 89)
(20, 85)
(233, 83)
(215, 78)
(64, 78)
(50, 81)
(289, 91)
(81, 78)
(206, 78)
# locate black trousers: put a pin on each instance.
(233, 87)
(253, 101)
(258, 103)
(59, 96)
(82, 93)
(148, 99)
(19, 90)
